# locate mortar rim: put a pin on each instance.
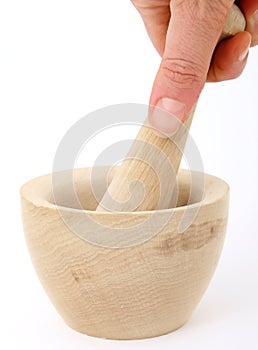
(38, 201)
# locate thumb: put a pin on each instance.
(193, 33)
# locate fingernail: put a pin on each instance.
(243, 55)
(167, 116)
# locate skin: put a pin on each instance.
(185, 33)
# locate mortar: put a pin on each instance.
(145, 288)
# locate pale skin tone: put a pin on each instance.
(185, 33)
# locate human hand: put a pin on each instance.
(186, 33)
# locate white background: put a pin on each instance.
(60, 60)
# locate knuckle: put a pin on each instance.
(219, 11)
(182, 74)
(212, 11)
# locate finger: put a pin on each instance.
(250, 10)
(156, 16)
(230, 58)
(190, 43)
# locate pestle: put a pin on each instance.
(146, 179)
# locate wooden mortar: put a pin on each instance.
(143, 288)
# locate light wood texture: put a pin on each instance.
(142, 183)
(136, 292)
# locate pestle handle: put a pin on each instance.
(146, 179)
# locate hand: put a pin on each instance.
(185, 33)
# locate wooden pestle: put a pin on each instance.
(146, 179)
